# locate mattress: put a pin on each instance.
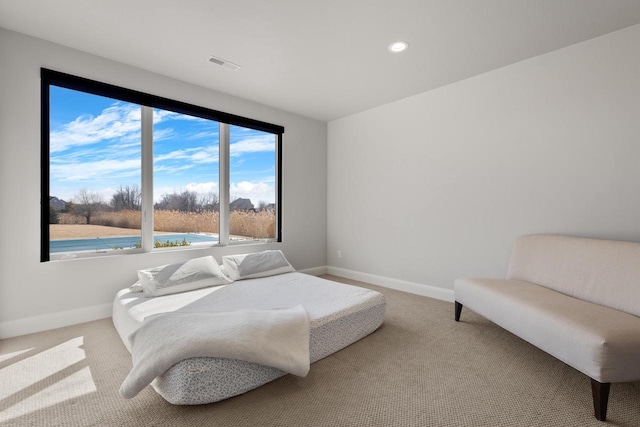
(339, 315)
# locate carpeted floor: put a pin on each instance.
(419, 369)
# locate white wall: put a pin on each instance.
(32, 293)
(438, 186)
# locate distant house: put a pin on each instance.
(241, 205)
(57, 204)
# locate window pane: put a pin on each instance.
(94, 152)
(185, 179)
(252, 186)
(94, 181)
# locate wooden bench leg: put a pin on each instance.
(458, 311)
(600, 398)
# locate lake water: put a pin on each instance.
(104, 243)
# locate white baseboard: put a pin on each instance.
(400, 285)
(315, 271)
(44, 322)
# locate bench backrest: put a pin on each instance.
(604, 272)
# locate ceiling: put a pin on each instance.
(321, 59)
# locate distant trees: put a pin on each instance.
(240, 204)
(87, 203)
(186, 201)
(128, 197)
(210, 201)
(54, 217)
(189, 201)
(56, 206)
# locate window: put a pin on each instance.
(125, 171)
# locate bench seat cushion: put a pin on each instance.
(601, 342)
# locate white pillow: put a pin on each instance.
(260, 264)
(181, 277)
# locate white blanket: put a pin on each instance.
(277, 337)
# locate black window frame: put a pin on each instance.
(56, 78)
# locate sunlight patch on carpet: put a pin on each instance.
(8, 356)
(44, 379)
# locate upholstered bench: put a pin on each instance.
(577, 299)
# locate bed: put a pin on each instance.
(339, 315)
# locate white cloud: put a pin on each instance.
(208, 154)
(161, 134)
(202, 187)
(205, 155)
(256, 191)
(253, 145)
(211, 135)
(91, 171)
(169, 170)
(118, 121)
(106, 193)
(161, 115)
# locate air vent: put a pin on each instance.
(224, 63)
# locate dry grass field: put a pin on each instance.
(250, 224)
(79, 231)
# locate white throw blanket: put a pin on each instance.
(276, 337)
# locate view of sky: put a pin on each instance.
(95, 144)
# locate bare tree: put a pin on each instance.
(87, 203)
(187, 201)
(209, 201)
(126, 198)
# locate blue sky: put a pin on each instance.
(95, 144)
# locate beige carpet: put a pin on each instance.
(419, 369)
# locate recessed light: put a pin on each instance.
(397, 47)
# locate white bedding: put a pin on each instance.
(277, 337)
(339, 315)
(131, 308)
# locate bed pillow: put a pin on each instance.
(260, 264)
(184, 276)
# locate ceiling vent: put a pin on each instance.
(224, 63)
